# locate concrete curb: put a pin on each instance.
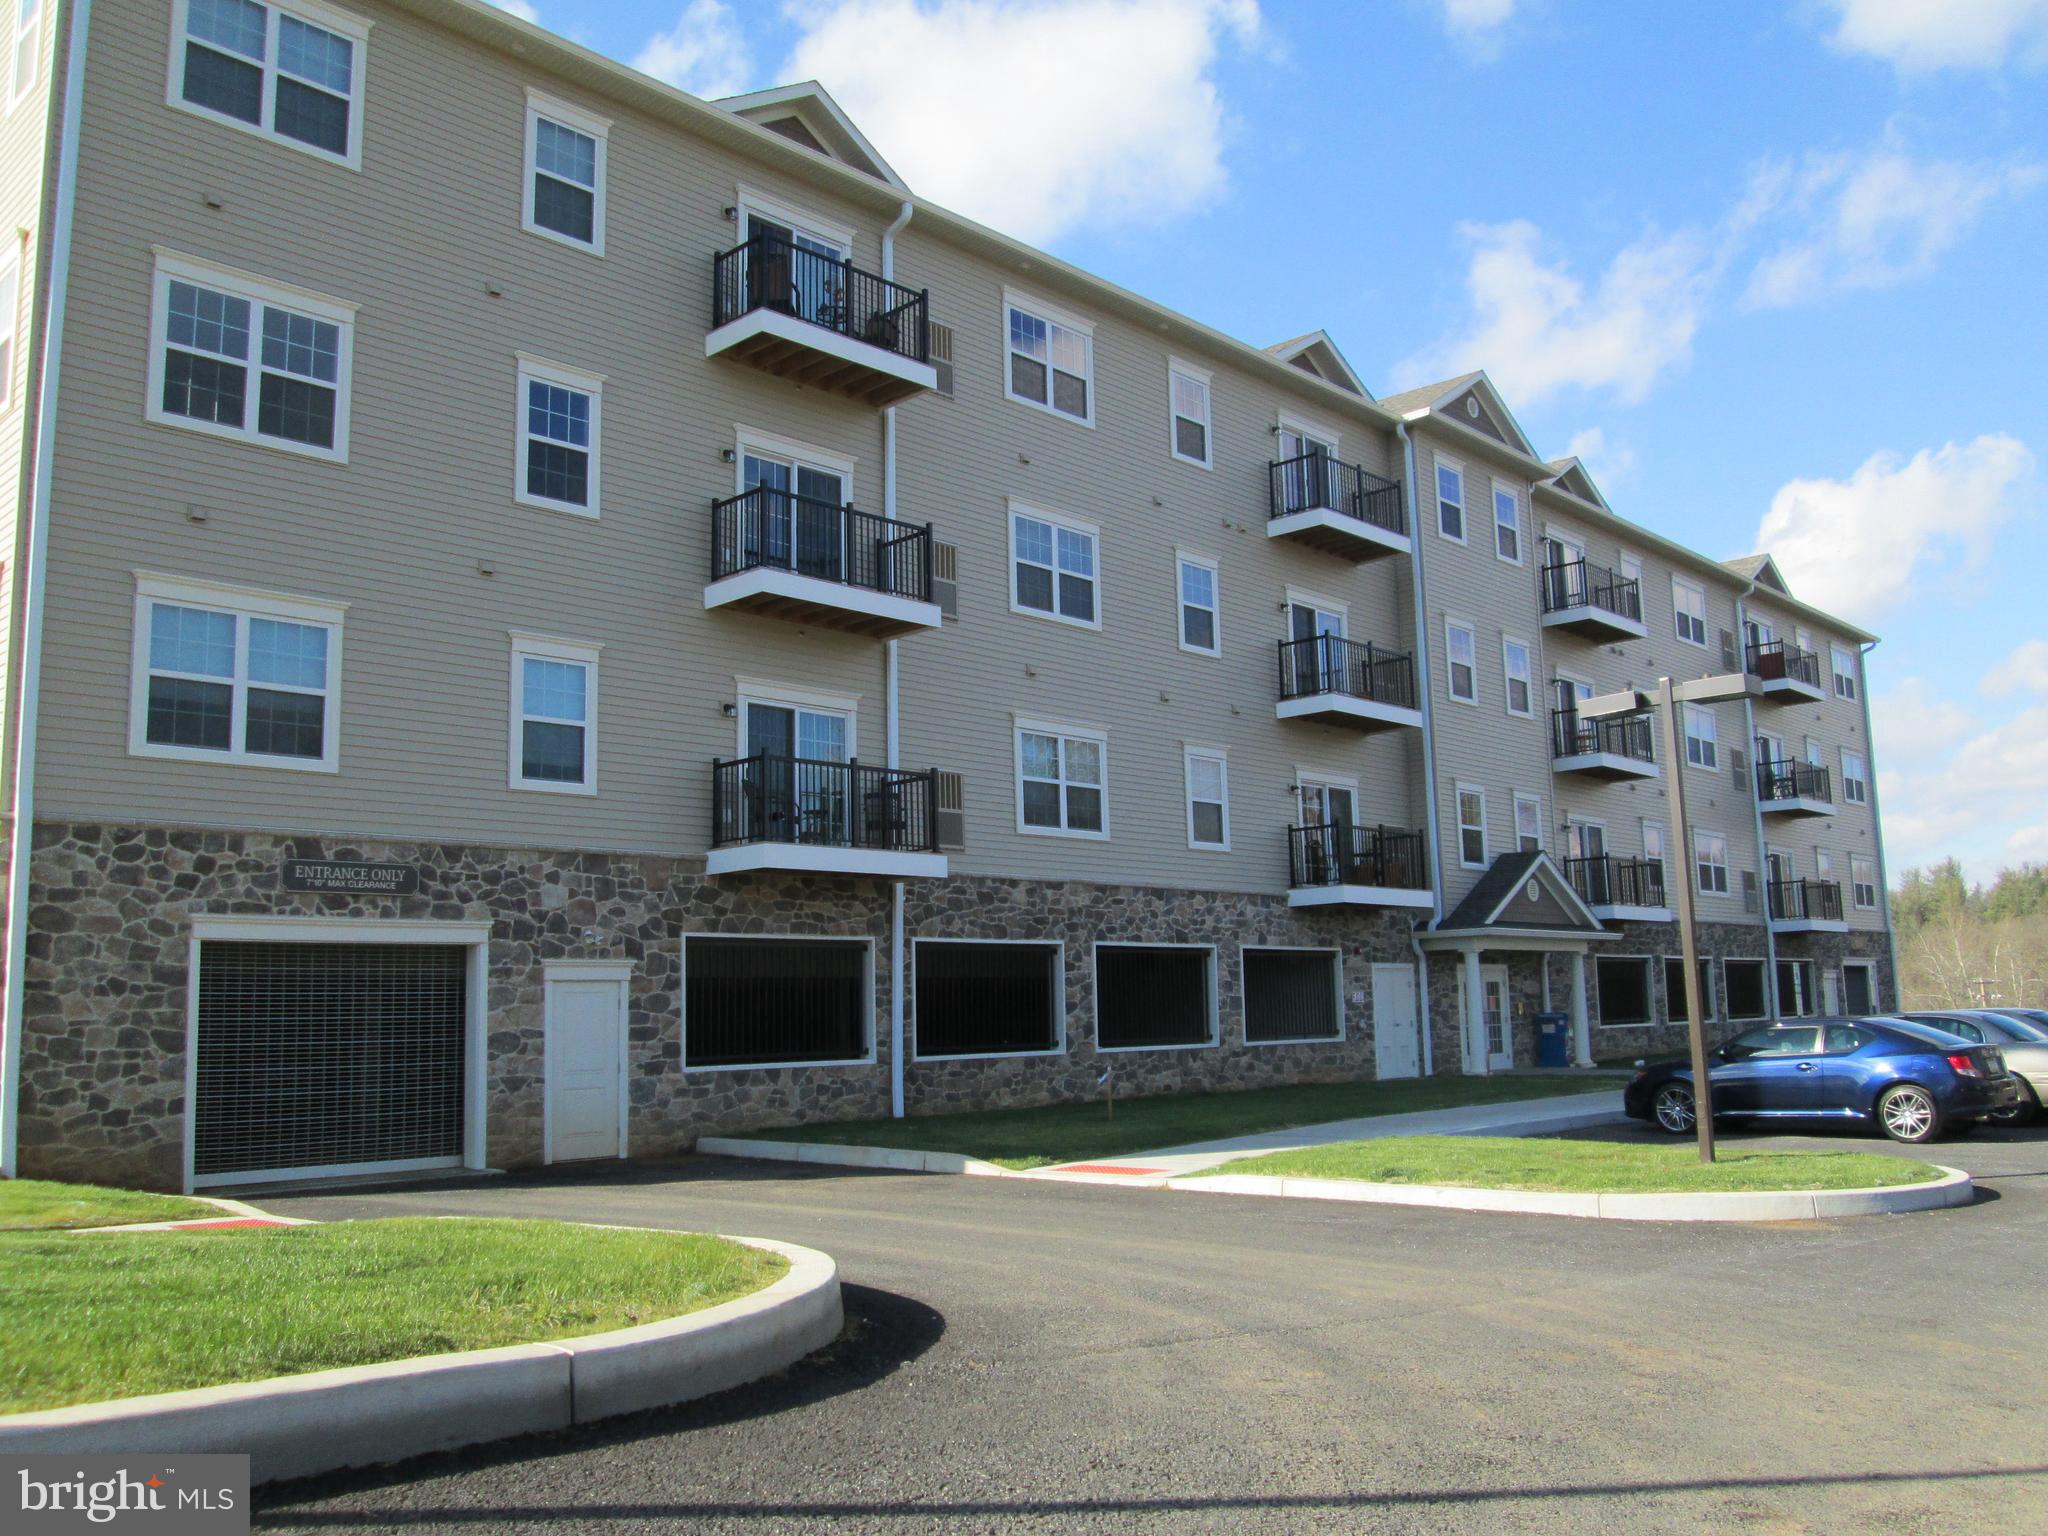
(237, 1210)
(845, 1155)
(295, 1426)
(1953, 1188)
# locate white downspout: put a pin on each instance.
(22, 842)
(894, 718)
(1425, 693)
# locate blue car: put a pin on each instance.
(1912, 1079)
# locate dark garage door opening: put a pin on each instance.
(1149, 996)
(767, 1002)
(328, 1056)
(986, 999)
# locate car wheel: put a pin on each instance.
(1672, 1109)
(1908, 1113)
(2026, 1112)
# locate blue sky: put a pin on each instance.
(1773, 267)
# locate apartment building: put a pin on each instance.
(549, 618)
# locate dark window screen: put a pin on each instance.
(1147, 996)
(983, 999)
(757, 1002)
(1289, 995)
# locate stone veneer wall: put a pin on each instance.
(1525, 1001)
(108, 962)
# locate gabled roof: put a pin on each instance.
(806, 114)
(1761, 569)
(1315, 353)
(1500, 900)
(1573, 480)
(1472, 402)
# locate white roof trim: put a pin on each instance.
(810, 93)
(1288, 351)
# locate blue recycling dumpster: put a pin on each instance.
(1553, 1040)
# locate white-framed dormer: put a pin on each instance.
(1054, 339)
(1053, 557)
(1190, 413)
(322, 72)
(566, 149)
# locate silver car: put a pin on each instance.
(2014, 1032)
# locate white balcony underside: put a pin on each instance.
(769, 588)
(816, 354)
(1345, 709)
(1798, 805)
(1619, 914)
(1595, 623)
(1809, 925)
(1338, 532)
(1605, 765)
(812, 858)
(1791, 690)
(1358, 896)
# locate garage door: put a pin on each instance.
(328, 1058)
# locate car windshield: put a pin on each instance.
(1925, 1033)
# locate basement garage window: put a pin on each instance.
(986, 999)
(1674, 989)
(1290, 994)
(1624, 991)
(1743, 983)
(775, 1002)
(1153, 996)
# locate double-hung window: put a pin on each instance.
(565, 152)
(1052, 567)
(1450, 499)
(1515, 665)
(1710, 863)
(554, 715)
(1507, 525)
(1689, 607)
(224, 674)
(1051, 362)
(1653, 847)
(10, 311)
(1062, 776)
(1189, 387)
(560, 413)
(1471, 827)
(1702, 743)
(1198, 606)
(1461, 653)
(1863, 881)
(1855, 778)
(290, 72)
(238, 358)
(1208, 785)
(1528, 824)
(28, 36)
(1845, 672)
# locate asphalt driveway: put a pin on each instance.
(1035, 1356)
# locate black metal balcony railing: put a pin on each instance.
(1773, 659)
(1606, 881)
(1806, 901)
(1338, 854)
(1581, 584)
(1329, 664)
(1629, 737)
(768, 798)
(1787, 778)
(786, 532)
(1311, 482)
(769, 272)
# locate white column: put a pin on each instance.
(1475, 1016)
(1582, 1028)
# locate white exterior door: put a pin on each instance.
(586, 1062)
(1493, 992)
(1396, 1027)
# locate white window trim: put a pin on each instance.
(1629, 566)
(1221, 757)
(355, 28)
(1662, 857)
(195, 592)
(1301, 597)
(1521, 503)
(1680, 584)
(541, 105)
(1215, 1012)
(1652, 984)
(1181, 557)
(1059, 1000)
(535, 369)
(1856, 883)
(776, 695)
(1764, 970)
(1458, 794)
(172, 265)
(1174, 365)
(1861, 779)
(1836, 656)
(748, 200)
(551, 648)
(1727, 885)
(1072, 525)
(866, 1058)
(1574, 824)
(1710, 757)
(1305, 426)
(1336, 956)
(772, 445)
(1674, 1002)
(1450, 689)
(18, 87)
(1507, 677)
(1038, 309)
(1869, 968)
(1522, 797)
(1019, 724)
(1444, 461)
(10, 323)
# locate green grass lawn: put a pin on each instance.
(35, 1205)
(90, 1318)
(1069, 1133)
(1511, 1162)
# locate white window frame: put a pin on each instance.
(541, 105)
(1767, 978)
(1182, 558)
(1452, 627)
(245, 603)
(1458, 794)
(749, 691)
(867, 992)
(1175, 371)
(1681, 591)
(10, 321)
(258, 292)
(1095, 986)
(1336, 958)
(1846, 680)
(1463, 503)
(1708, 759)
(1221, 758)
(1656, 850)
(1058, 520)
(1059, 999)
(1051, 314)
(1514, 499)
(1526, 801)
(1856, 785)
(1869, 969)
(22, 81)
(328, 19)
(1527, 679)
(1651, 983)
(536, 370)
(1709, 851)
(1631, 566)
(1861, 865)
(551, 648)
(1019, 725)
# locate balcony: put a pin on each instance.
(1620, 890)
(1591, 601)
(1343, 682)
(1789, 675)
(771, 812)
(813, 562)
(1339, 865)
(1787, 787)
(815, 320)
(1336, 507)
(1602, 749)
(1806, 906)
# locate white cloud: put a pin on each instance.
(1980, 794)
(1919, 35)
(1606, 462)
(523, 9)
(1858, 546)
(2024, 671)
(704, 53)
(1476, 24)
(1036, 116)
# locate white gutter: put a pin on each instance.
(1425, 693)
(22, 842)
(894, 716)
(1884, 882)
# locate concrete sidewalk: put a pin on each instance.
(1517, 1117)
